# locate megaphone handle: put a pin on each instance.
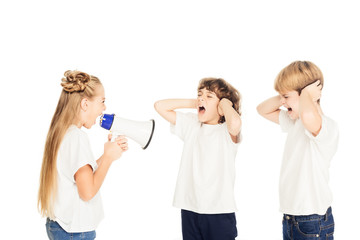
(114, 136)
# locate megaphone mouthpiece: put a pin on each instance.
(106, 121)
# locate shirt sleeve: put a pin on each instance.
(78, 153)
(184, 122)
(286, 123)
(328, 135)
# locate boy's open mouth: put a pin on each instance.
(289, 109)
(201, 109)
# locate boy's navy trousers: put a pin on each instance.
(197, 226)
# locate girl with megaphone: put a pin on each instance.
(70, 177)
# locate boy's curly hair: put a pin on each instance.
(222, 89)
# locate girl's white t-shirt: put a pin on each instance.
(304, 176)
(205, 182)
(71, 212)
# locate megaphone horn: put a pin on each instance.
(140, 132)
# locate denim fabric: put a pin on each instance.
(311, 227)
(197, 226)
(55, 232)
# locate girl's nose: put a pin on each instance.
(282, 100)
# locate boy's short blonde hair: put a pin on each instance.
(222, 89)
(297, 75)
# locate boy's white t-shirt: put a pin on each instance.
(205, 182)
(304, 177)
(71, 212)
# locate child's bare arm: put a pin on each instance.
(270, 109)
(232, 118)
(309, 108)
(166, 108)
(89, 182)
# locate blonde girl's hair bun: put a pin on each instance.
(75, 81)
(76, 86)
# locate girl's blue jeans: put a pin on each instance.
(310, 227)
(56, 232)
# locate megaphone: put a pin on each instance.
(140, 132)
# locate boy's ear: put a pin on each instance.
(84, 104)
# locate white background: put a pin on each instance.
(144, 51)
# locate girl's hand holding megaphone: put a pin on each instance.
(114, 149)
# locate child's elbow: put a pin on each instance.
(86, 195)
(157, 105)
(86, 198)
(259, 110)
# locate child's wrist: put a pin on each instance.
(225, 102)
(106, 158)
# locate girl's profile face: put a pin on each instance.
(96, 106)
(290, 100)
(207, 105)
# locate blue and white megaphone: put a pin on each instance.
(140, 132)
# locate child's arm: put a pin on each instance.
(270, 109)
(166, 107)
(89, 182)
(309, 108)
(232, 118)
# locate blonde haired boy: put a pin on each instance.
(305, 196)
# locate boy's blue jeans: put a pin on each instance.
(311, 227)
(56, 232)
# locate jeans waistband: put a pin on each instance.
(303, 218)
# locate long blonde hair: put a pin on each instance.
(76, 86)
